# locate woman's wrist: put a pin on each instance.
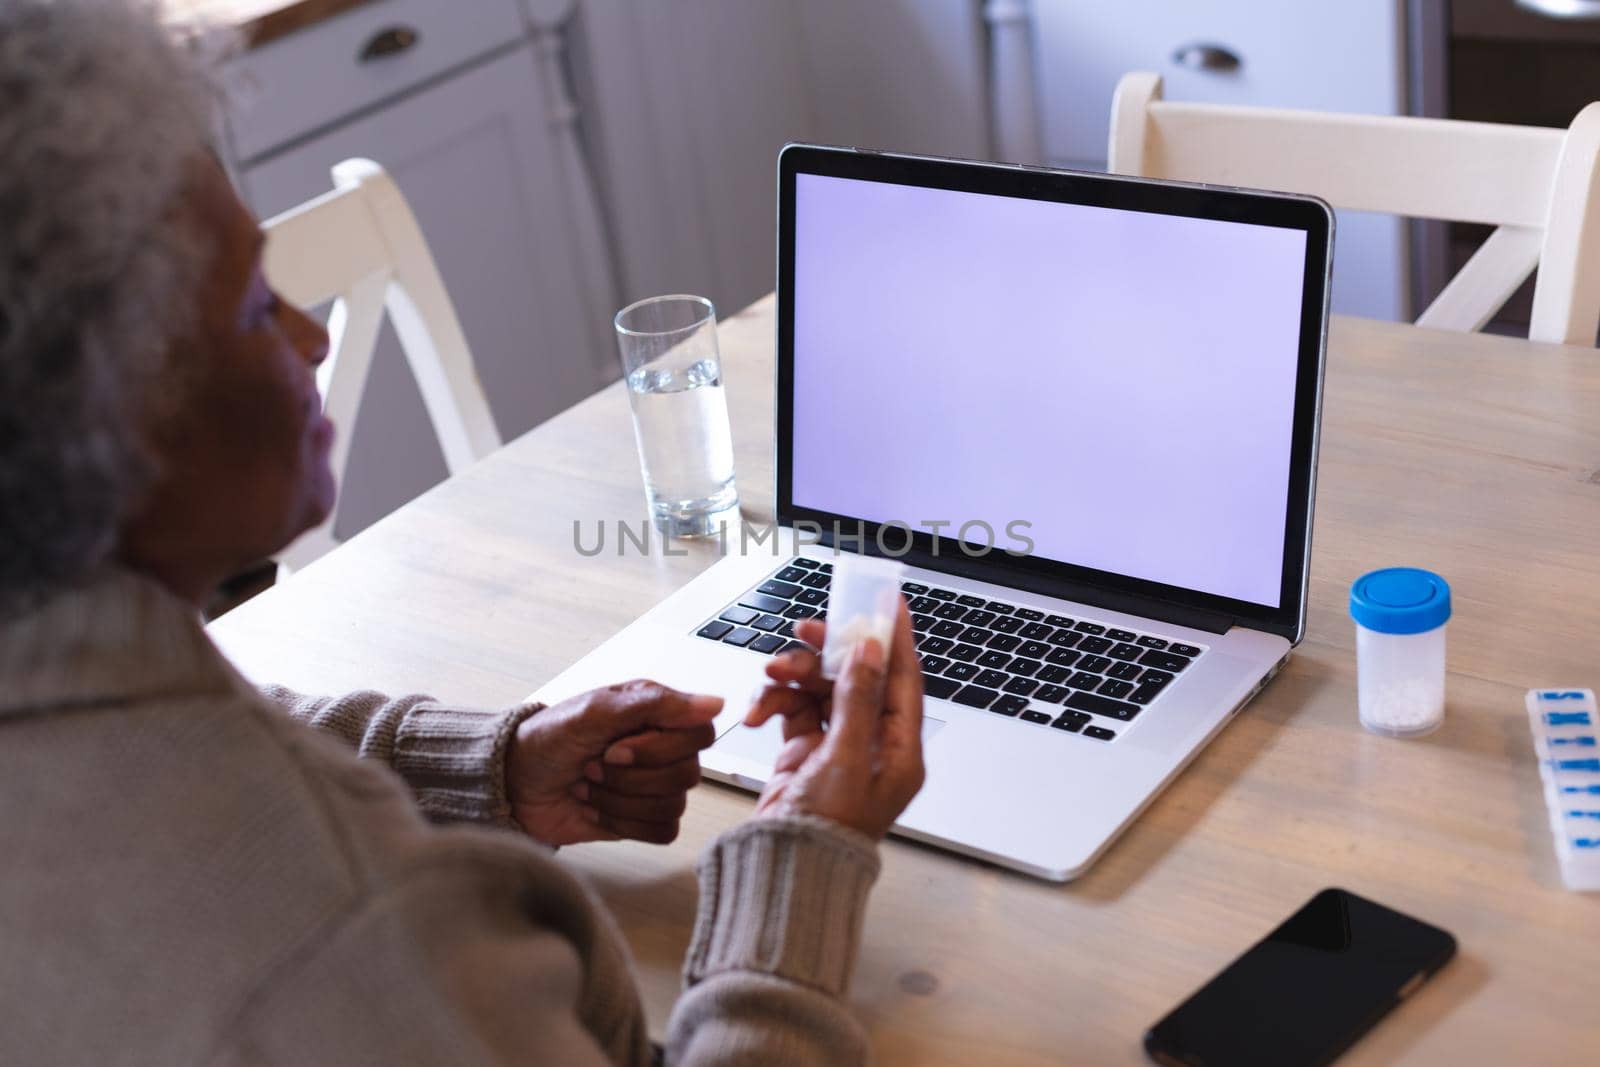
(786, 808)
(783, 895)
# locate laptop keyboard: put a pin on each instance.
(1075, 675)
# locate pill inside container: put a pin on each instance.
(863, 601)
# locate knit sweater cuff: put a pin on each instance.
(783, 897)
(454, 760)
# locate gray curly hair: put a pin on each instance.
(102, 112)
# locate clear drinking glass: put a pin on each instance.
(680, 412)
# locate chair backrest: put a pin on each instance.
(360, 246)
(1535, 184)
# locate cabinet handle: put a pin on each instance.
(1212, 57)
(1562, 9)
(389, 42)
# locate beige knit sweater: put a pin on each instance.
(188, 875)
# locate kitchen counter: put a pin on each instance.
(259, 21)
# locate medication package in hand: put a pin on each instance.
(863, 601)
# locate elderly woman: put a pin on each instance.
(193, 874)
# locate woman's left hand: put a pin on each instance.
(612, 763)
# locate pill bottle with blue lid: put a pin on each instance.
(1400, 615)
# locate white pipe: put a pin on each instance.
(1014, 107)
(584, 216)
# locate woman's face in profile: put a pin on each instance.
(245, 457)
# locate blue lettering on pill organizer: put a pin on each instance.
(1581, 742)
(1562, 694)
(1583, 814)
(1595, 789)
(1567, 718)
(1586, 842)
(1577, 764)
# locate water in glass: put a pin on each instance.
(680, 417)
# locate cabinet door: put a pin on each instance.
(1345, 56)
(474, 156)
(355, 60)
(688, 103)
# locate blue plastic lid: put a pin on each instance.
(1400, 600)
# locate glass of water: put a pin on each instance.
(680, 412)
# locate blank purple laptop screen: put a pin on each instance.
(1122, 382)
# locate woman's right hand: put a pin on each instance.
(852, 749)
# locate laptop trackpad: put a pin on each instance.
(761, 746)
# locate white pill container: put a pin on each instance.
(1400, 615)
(863, 601)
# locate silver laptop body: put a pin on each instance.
(1083, 410)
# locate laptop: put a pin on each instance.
(1083, 411)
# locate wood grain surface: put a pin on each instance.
(1475, 456)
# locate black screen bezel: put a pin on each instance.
(1308, 214)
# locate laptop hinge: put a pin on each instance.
(990, 569)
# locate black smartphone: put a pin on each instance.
(1304, 994)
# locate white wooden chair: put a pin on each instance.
(1536, 184)
(359, 245)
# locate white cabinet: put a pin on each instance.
(474, 153)
(1344, 56)
(362, 58)
(685, 107)
(687, 104)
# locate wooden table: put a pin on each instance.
(1474, 456)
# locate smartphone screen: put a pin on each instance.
(1307, 991)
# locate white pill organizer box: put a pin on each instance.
(1566, 737)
